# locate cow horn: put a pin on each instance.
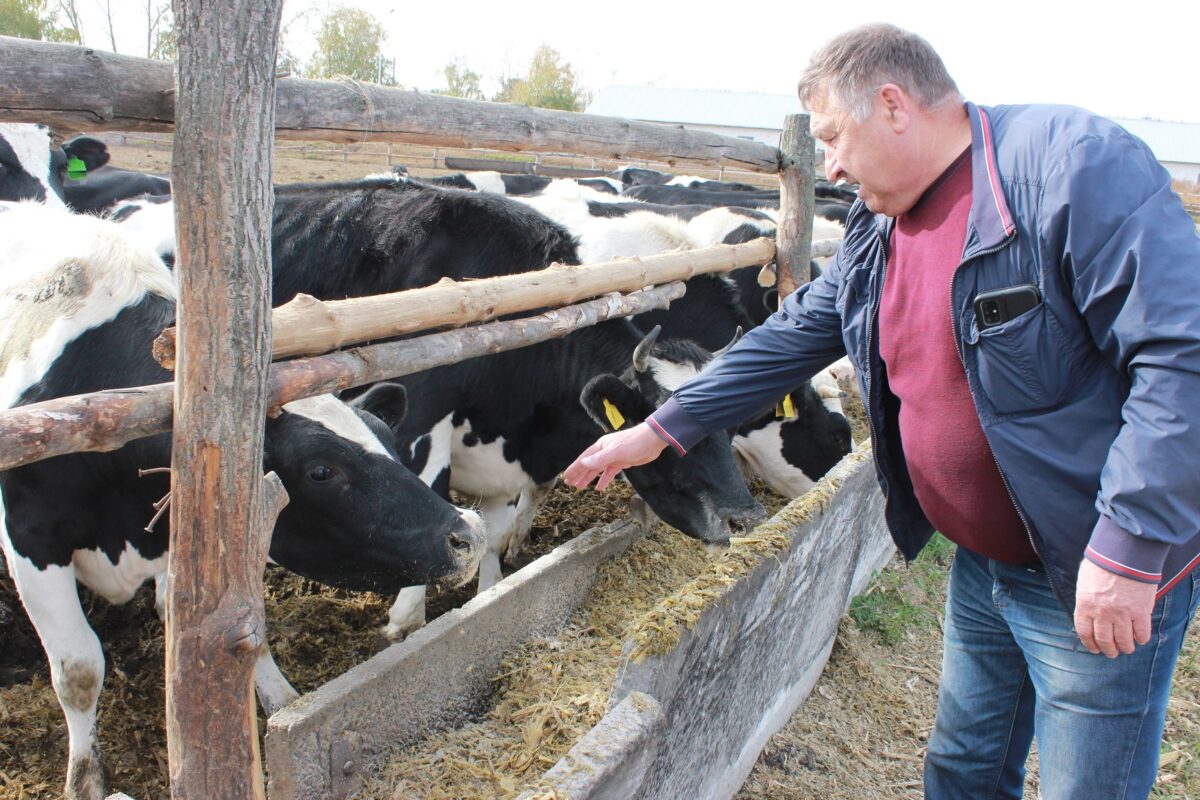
(736, 335)
(641, 354)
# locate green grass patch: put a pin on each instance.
(906, 599)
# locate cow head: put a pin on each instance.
(702, 493)
(794, 445)
(357, 518)
(31, 168)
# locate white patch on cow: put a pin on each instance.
(76, 660)
(641, 233)
(489, 182)
(333, 414)
(762, 451)
(827, 229)
(481, 471)
(713, 226)
(686, 180)
(670, 374)
(117, 583)
(63, 274)
(151, 225)
(407, 613)
(439, 449)
(31, 144)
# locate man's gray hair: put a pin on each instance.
(850, 69)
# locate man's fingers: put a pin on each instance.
(1141, 628)
(1086, 631)
(1122, 631)
(610, 473)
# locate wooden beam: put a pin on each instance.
(76, 88)
(222, 508)
(793, 237)
(104, 421)
(306, 326)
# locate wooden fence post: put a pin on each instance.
(222, 509)
(793, 238)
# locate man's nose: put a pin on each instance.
(833, 170)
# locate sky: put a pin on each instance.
(1123, 60)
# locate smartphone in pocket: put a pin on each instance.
(1000, 305)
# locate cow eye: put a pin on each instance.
(319, 473)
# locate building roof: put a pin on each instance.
(695, 106)
(1169, 141)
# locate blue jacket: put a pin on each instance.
(1090, 401)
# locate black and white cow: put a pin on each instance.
(385, 234)
(99, 191)
(791, 450)
(79, 305)
(32, 168)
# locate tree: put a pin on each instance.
(461, 81)
(160, 30)
(33, 19)
(349, 43)
(549, 83)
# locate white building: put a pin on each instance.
(760, 117)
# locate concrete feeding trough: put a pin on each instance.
(705, 678)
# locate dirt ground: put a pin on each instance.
(860, 735)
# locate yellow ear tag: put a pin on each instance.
(789, 408)
(614, 417)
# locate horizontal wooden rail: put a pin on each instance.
(104, 421)
(306, 326)
(73, 88)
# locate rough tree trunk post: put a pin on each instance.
(793, 237)
(222, 510)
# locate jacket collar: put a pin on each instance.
(990, 217)
(991, 220)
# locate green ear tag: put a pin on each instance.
(76, 169)
(614, 417)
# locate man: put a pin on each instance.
(1018, 290)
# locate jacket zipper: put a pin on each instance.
(963, 361)
(870, 331)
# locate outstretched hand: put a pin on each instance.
(612, 453)
(1112, 613)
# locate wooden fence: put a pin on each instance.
(212, 738)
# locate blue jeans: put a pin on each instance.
(1013, 669)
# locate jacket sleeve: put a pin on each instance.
(769, 361)
(1134, 257)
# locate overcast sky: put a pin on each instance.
(1127, 60)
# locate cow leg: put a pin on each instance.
(274, 691)
(76, 661)
(406, 614)
(500, 517)
(531, 500)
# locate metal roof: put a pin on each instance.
(1169, 141)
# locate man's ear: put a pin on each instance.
(612, 404)
(388, 401)
(896, 106)
(92, 152)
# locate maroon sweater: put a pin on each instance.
(953, 471)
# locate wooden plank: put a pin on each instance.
(76, 88)
(306, 326)
(104, 421)
(222, 508)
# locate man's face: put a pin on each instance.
(866, 153)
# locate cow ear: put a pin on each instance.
(388, 401)
(92, 152)
(613, 405)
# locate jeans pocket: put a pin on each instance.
(1023, 364)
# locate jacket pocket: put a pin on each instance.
(1024, 364)
(853, 305)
